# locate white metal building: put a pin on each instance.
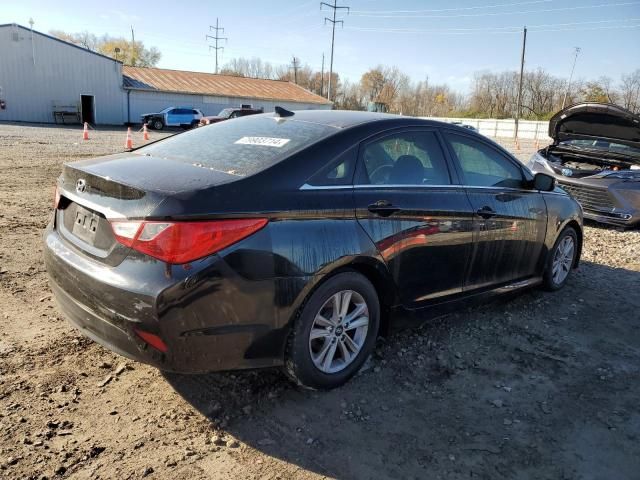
(44, 79)
(40, 75)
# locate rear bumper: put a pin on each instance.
(116, 338)
(209, 316)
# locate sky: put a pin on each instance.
(444, 40)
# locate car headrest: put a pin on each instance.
(406, 171)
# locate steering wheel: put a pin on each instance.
(380, 171)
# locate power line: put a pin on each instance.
(216, 38)
(498, 30)
(333, 22)
(454, 9)
(493, 14)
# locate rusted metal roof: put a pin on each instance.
(200, 83)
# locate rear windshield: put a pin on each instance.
(241, 146)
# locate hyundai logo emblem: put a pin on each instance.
(81, 185)
(567, 172)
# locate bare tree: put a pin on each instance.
(630, 91)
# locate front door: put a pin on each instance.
(420, 221)
(88, 109)
(175, 117)
(510, 219)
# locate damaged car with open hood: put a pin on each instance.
(595, 157)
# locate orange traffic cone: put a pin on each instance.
(517, 145)
(129, 143)
(537, 144)
(145, 132)
(85, 132)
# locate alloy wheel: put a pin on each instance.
(339, 331)
(562, 260)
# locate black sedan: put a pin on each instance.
(294, 239)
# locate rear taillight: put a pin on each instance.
(182, 242)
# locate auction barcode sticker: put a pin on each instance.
(264, 141)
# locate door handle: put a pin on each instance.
(486, 212)
(384, 208)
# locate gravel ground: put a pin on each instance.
(541, 385)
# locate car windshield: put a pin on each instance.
(226, 112)
(242, 147)
(166, 109)
(602, 145)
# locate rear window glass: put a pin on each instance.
(242, 147)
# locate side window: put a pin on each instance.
(404, 158)
(482, 165)
(337, 172)
(195, 112)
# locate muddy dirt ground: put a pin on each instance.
(543, 385)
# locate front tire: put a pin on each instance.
(157, 124)
(334, 333)
(561, 260)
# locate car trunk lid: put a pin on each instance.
(124, 186)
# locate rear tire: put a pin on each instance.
(157, 124)
(561, 259)
(334, 333)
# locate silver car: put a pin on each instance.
(595, 157)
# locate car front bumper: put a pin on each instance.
(602, 204)
(608, 200)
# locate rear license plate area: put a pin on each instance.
(85, 225)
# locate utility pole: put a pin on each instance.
(575, 59)
(519, 104)
(133, 48)
(216, 38)
(295, 64)
(322, 77)
(333, 22)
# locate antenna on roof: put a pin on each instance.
(282, 112)
(33, 48)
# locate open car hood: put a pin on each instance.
(596, 121)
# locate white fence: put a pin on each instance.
(492, 127)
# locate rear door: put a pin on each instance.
(409, 203)
(510, 219)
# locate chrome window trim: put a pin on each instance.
(306, 186)
(407, 186)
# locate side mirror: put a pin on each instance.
(544, 182)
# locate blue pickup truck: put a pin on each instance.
(185, 117)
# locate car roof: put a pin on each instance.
(349, 118)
